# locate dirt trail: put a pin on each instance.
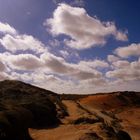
(64, 132)
(103, 116)
(67, 131)
(81, 122)
(76, 112)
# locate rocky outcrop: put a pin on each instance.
(14, 124)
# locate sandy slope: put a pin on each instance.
(64, 132)
(95, 118)
(83, 117)
(69, 131)
(131, 121)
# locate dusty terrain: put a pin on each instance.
(31, 113)
(96, 117)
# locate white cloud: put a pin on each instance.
(42, 77)
(2, 67)
(54, 43)
(131, 50)
(125, 71)
(64, 53)
(119, 85)
(6, 28)
(26, 77)
(121, 35)
(85, 31)
(22, 42)
(53, 64)
(4, 76)
(56, 64)
(22, 61)
(93, 64)
(124, 74)
(73, 77)
(83, 70)
(136, 64)
(84, 75)
(121, 64)
(40, 67)
(112, 58)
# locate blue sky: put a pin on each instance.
(71, 46)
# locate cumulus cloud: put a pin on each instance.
(6, 28)
(42, 77)
(125, 71)
(121, 64)
(4, 76)
(2, 67)
(82, 71)
(112, 58)
(76, 71)
(54, 43)
(136, 64)
(85, 31)
(130, 74)
(56, 64)
(53, 64)
(28, 59)
(131, 50)
(64, 53)
(22, 43)
(93, 64)
(21, 61)
(84, 75)
(26, 77)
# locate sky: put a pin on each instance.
(71, 46)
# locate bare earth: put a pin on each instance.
(93, 118)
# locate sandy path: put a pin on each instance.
(75, 112)
(67, 131)
(63, 132)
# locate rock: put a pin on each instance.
(122, 135)
(14, 124)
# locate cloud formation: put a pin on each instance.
(21, 61)
(50, 63)
(93, 64)
(125, 71)
(131, 50)
(84, 31)
(22, 43)
(26, 58)
(2, 67)
(112, 58)
(6, 28)
(4, 76)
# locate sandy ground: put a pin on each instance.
(68, 131)
(130, 123)
(75, 112)
(64, 132)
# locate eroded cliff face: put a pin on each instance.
(28, 112)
